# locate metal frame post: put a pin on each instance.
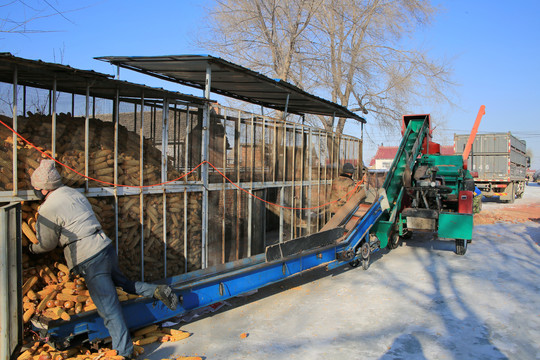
(204, 171)
(186, 164)
(265, 191)
(5, 327)
(237, 136)
(15, 123)
(116, 110)
(86, 137)
(293, 187)
(319, 152)
(164, 148)
(53, 120)
(284, 178)
(250, 200)
(141, 182)
(223, 189)
(310, 177)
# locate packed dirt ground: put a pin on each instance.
(522, 210)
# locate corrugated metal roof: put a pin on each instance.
(232, 80)
(40, 74)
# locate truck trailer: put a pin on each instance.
(500, 164)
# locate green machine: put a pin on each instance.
(426, 191)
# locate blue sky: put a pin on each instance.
(493, 46)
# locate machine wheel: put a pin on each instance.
(461, 246)
(393, 241)
(354, 263)
(365, 252)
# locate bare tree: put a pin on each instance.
(17, 15)
(351, 50)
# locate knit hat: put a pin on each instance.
(46, 177)
(348, 168)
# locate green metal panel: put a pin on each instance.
(455, 226)
(408, 151)
(382, 230)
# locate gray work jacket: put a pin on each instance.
(66, 218)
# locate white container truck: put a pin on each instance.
(500, 161)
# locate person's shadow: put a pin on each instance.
(405, 346)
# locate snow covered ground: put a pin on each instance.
(419, 301)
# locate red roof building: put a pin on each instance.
(385, 155)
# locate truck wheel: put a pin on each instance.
(512, 193)
(461, 246)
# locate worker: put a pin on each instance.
(341, 187)
(66, 219)
(477, 200)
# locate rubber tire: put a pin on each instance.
(393, 241)
(461, 246)
(512, 194)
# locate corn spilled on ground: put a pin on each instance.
(51, 292)
(145, 336)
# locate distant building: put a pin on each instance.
(385, 155)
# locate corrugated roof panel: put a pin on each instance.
(40, 74)
(232, 80)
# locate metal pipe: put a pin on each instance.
(326, 175)
(284, 178)
(164, 148)
(175, 143)
(302, 176)
(86, 136)
(274, 156)
(250, 199)
(281, 201)
(286, 107)
(185, 231)
(319, 181)
(53, 117)
(186, 153)
(5, 328)
(204, 170)
(208, 82)
(263, 162)
(470, 141)
(141, 182)
(15, 127)
(293, 178)
(263, 152)
(223, 191)
(237, 136)
(310, 177)
(116, 106)
(153, 124)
